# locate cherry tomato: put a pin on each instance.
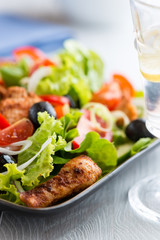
(34, 53)
(110, 95)
(61, 110)
(3, 122)
(55, 100)
(125, 86)
(44, 62)
(19, 131)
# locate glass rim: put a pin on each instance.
(147, 4)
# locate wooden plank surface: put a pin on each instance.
(105, 215)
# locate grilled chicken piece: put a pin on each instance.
(76, 175)
(16, 103)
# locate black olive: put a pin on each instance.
(72, 102)
(4, 159)
(40, 107)
(137, 129)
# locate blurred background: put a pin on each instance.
(102, 25)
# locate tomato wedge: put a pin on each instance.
(55, 100)
(110, 95)
(125, 85)
(3, 122)
(19, 131)
(34, 53)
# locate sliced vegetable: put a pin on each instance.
(9, 149)
(42, 63)
(125, 85)
(121, 116)
(55, 100)
(89, 123)
(13, 73)
(29, 51)
(3, 122)
(110, 95)
(99, 112)
(140, 145)
(61, 110)
(19, 131)
(39, 74)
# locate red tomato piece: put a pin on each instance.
(3, 122)
(34, 53)
(55, 100)
(110, 95)
(61, 110)
(45, 62)
(125, 85)
(19, 131)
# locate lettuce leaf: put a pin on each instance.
(7, 183)
(80, 74)
(140, 145)
(60, 131)
(102, 152)
(12, 74)
(84, 63)
(42, 166)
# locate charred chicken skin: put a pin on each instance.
(76, 175)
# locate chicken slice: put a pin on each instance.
(16, 103)
(76, 175)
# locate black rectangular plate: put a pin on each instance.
(8, 206)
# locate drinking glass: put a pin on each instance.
(144, 197)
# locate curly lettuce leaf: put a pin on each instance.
(42, 166)
(7, 186)
(60, 131)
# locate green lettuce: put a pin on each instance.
(60, 131)
(84, 63)
(43, 164)
(79, 74)
(101, 151)
(140, 145)
(7, 186)
(12, 74)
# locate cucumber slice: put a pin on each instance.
(124, 152)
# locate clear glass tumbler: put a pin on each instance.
(144, 197)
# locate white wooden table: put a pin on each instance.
(105, 215)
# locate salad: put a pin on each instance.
(61, 126)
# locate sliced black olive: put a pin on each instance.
(137, 129)
(40, 107)
(4, 159)
(72, 102)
